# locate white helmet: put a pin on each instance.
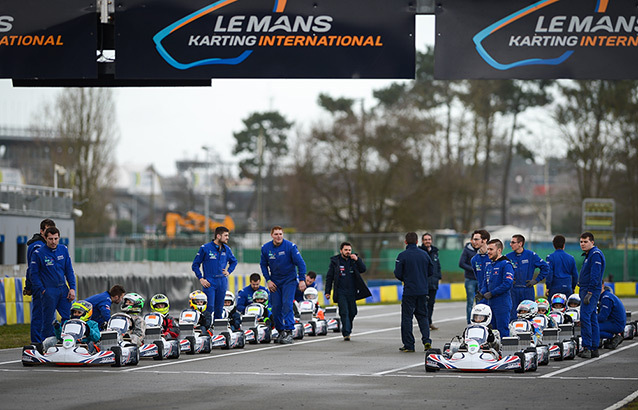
(311, 294)
(230, 297)
(574, 298)
(527, 309)
(481, 315)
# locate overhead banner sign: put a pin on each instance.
(48, 39)
(492, 39)
(199, 39)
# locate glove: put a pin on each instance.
(56, 324)
(531, 283)
(587, 298)
(487, 295)
(478, 297)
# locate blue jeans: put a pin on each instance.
(470, 291)
(589, 329)
(347, 311)
(414, 306)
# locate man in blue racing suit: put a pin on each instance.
(280, 261)
(245, 296)
(590, 284)
(102, 304)
(525, 263)
(562, 276)
(496, 286)
(612, 318)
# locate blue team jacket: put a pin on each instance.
(101, 307)
(414, 267)
(280, 263)
(51, 268)
(592, 271)
(214, 259)
(612, 309)
(479, 266)
(562, 269)
(499, 278)
(524, 264)
(245, 297)
(34, 243)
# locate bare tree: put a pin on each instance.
(84, 121)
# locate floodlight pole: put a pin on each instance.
(207, 194)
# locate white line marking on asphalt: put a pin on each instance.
(624, 401)
(399, 369)
(588, 361)
(12, 361)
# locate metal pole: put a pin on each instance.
(625, 266)
(206, 196)
(260, 155)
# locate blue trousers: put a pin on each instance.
(347, 311)
(36, 318)
(216, 294)
(470, 291)
(414, 306)
(282, 301)
(608, 329)
(589, 329)
(52, 300)
(431, 300)
(557, 287)
(519, 295)
(501, 307)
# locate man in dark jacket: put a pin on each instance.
(36, 302)
(413, 267)
(479, 237)
(345, 273)
(433, 253)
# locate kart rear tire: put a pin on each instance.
(338, 329)
(28, 364)
(175, 348)
(160, 350)
(242, 341)
(429, 369)
(256, 333)
(267, 335)
(191, 340)
(521, 356)
(313, 329)
(117, 351)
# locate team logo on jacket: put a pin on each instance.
(48, 261)
(525, 261)
(60, 257)
(212, 255)
(282, 253)
(271, 255)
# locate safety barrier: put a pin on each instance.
(15, 308)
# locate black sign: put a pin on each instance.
(585, 39)
(47, 39)
(265, 39)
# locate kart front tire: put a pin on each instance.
(160, 350)
(267, 335)
(136, 356)
(117, 351)
(256, 333)
(27, 363)
(521, 368)
(226, 345)
(191, 340)
(545, 361)
(560, 349)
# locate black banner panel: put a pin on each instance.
(199, 39)
(492, 39)
(48, 39)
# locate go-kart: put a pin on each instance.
(313, 326)
(332, 318)
(523, 335)
(564, 343)
(114, 338)
(160, 348)
(574, 314)
(71, 352)
(225, 338)
(631, 328)
(192, 338)
(472, 352)
(254, 328)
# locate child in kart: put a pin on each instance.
(526, 311)
(482, 315)
(198, 301)
(260, 297)
(81, 310)
(559, 302)
(170, 327)
(573, 307)
(132, 304)
(543, 309)
(231, 313)
(312, 294)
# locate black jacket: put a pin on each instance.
(414, 268)
(434, 257)
(332, 278)
(465, 262)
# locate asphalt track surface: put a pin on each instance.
(326, 372)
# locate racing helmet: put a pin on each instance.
(311, 294)
(198, 300)
(527, 309)
(229, 301)
(543, 304)
(573, 301)
(481, 315)
(559, 302)
(82, 310)
(159, 299)
(260, 294)
(132, 303)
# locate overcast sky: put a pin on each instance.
(161, 125)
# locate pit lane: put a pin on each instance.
(316, 372)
